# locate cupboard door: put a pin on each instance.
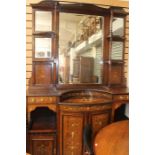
(72, 133)
(99, 120)
(42, 147)
(42, 144)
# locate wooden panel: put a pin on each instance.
(42, 100)
(43, 74)
(116, 74)
(113, 139)
(42, 144)
(99, 120)
(42, 147)
(85, 108)
(72, 135)
(121, 97)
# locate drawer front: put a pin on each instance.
(121, 97)
(46, 100)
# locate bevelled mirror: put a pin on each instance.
(43, 21)
(118, 26)
(42, 47)
(80, 49)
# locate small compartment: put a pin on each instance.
(42, 118)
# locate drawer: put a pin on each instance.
(41, 100)
(121, 97)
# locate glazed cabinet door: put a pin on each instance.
(99, 119)
(71, 133)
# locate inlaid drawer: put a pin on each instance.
(41, 100)
(121, 97)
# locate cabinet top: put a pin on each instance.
(55, 92)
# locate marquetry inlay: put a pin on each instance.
(34, 100)
(84, 108)
(72, 130)
(99, 121)
(121, 97)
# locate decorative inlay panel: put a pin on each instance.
(99, 121)
(33, 107)
(72, 133)
(42, 147)
(34, 100)
(85, 108)
(121, 97)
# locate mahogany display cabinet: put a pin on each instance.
(77, 75)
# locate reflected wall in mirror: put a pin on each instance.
(80, 48)
(43, 21)
(42, 47)
(118, 26)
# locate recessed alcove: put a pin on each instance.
(42, 118)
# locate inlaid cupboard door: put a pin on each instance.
(99, 120)
(42, 147)
(42, 144)
(72, 134)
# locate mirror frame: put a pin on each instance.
(107, 12)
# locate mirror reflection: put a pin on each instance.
(42, 47)
(118, 26)
(43, 21)
(80, 48)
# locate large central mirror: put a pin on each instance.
(80, 49)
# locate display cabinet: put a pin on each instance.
(77, 74)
